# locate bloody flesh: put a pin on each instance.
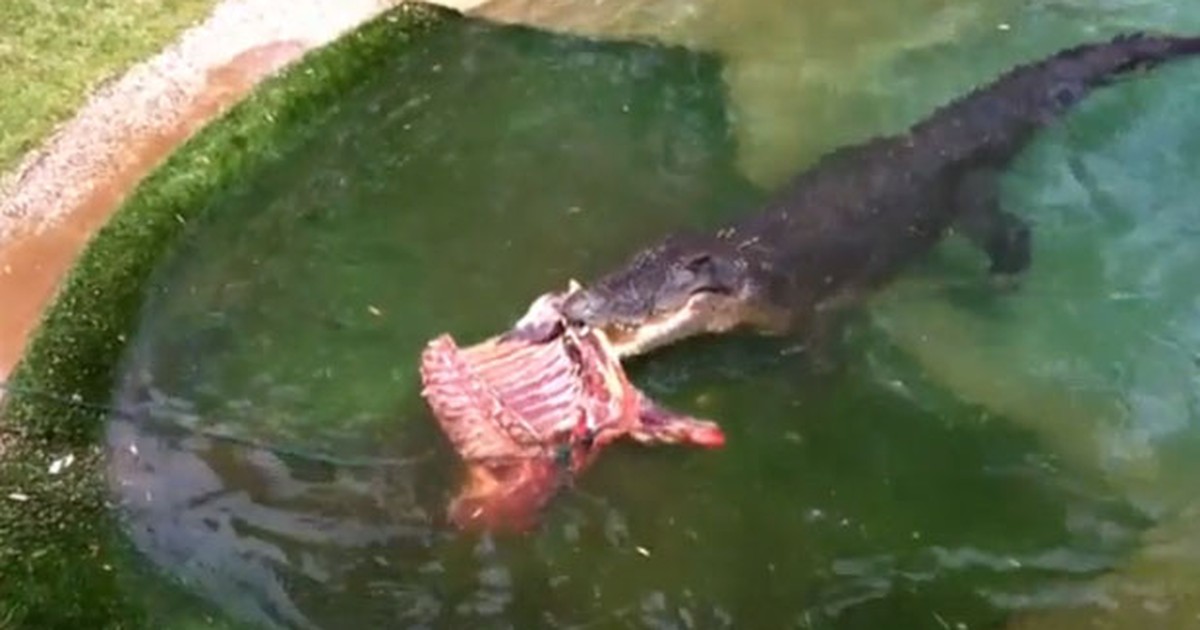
(528, 412)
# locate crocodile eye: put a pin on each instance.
(696, 263)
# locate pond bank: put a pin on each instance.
(57, 545)
(63, 192)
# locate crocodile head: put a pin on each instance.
(687, 285)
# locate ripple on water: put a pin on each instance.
(274, 365)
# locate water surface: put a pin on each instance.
(279, 461)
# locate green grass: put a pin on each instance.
(57, 548)
(57, 52)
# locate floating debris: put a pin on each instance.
(61, 464)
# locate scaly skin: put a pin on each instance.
(854, 221)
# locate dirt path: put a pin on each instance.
(48, 233)
(61, 194)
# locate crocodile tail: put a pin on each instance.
(996, 119)
(1130, 52)
(1068, 77)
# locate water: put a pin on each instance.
(977, 457)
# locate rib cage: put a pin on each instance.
(529, 408)
(503, 399)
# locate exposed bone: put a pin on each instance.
(527, 410)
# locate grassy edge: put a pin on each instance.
(57, 547)
(62, 51)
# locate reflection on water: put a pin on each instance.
(260, 532)
(276, 539)
(946, 477)
(241, 526)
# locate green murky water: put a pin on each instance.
(980, 455)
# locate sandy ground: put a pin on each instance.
(53, 202)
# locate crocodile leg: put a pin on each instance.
(1003, 236)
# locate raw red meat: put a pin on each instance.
(530, 409)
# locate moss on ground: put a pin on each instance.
(58, 52)
(57, 541)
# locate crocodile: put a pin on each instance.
(849, 225)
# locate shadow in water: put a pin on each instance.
(253, 529)
(824, 526)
